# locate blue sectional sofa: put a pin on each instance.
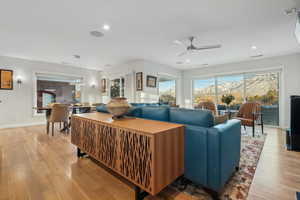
(212, 153)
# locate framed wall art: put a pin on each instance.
(139, 81)
(103, 85)
(6, 79)
(151, 81)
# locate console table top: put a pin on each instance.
(136, 124)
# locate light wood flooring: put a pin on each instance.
(278, 172)
(36, 166)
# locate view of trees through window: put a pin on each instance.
(167, 91)
(262, 87)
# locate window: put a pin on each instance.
(262, 87)
(167, 91)
(234, 85)
(204, 90)
(117, 88)
(60, 89)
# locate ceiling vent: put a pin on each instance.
(96, 34)
(257, 56)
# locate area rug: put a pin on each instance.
(238, 186)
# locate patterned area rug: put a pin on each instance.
(238, 186)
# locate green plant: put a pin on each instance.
(227, 98)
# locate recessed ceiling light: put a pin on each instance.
(187, 61)
(254, 47)
(106, 27)
(96, 34)
(76, 56)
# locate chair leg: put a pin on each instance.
(59, 125)
(253, 129)
(52, 128)
(262, 125)
(244, 127)
(48, 128)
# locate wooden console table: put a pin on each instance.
(148, 153)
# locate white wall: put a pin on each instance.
(16, 107)
(148, 68)
(290, 65)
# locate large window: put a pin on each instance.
(234, 85)
(262, 87)
(167, 91)
(57, 89)
(204, 90)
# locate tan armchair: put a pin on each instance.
(249, 113)
(59, 114)
(209, 105)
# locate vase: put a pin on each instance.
(118, 107)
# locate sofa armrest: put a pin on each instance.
(230, 146)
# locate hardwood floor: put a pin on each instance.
(36, 166)
(278, 172)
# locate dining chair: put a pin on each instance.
(59, 114)
(248, 114)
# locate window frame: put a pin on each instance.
(279, 70)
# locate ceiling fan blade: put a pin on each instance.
(178, 42)
(182, 54)
(208, 47)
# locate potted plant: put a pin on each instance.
(227, 99)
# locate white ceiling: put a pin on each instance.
(55, 30)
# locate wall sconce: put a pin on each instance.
(19, 81)
(93, 85)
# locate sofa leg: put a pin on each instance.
(214, 195)
(237, 168)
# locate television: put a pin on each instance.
(293, 134)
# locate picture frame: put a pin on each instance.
(103, 85)
(139, 81)
(151, 81)
(6, 79)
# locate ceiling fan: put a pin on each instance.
(192, 47)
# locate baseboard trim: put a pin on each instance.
(21, 125)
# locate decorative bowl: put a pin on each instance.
(118, 107)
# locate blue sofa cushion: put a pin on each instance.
(160, 113)
(134, 111)
(203, 118)
(102, 108)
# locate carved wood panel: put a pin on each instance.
(136, 157)
(107, 145)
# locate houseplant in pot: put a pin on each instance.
(227, 99)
